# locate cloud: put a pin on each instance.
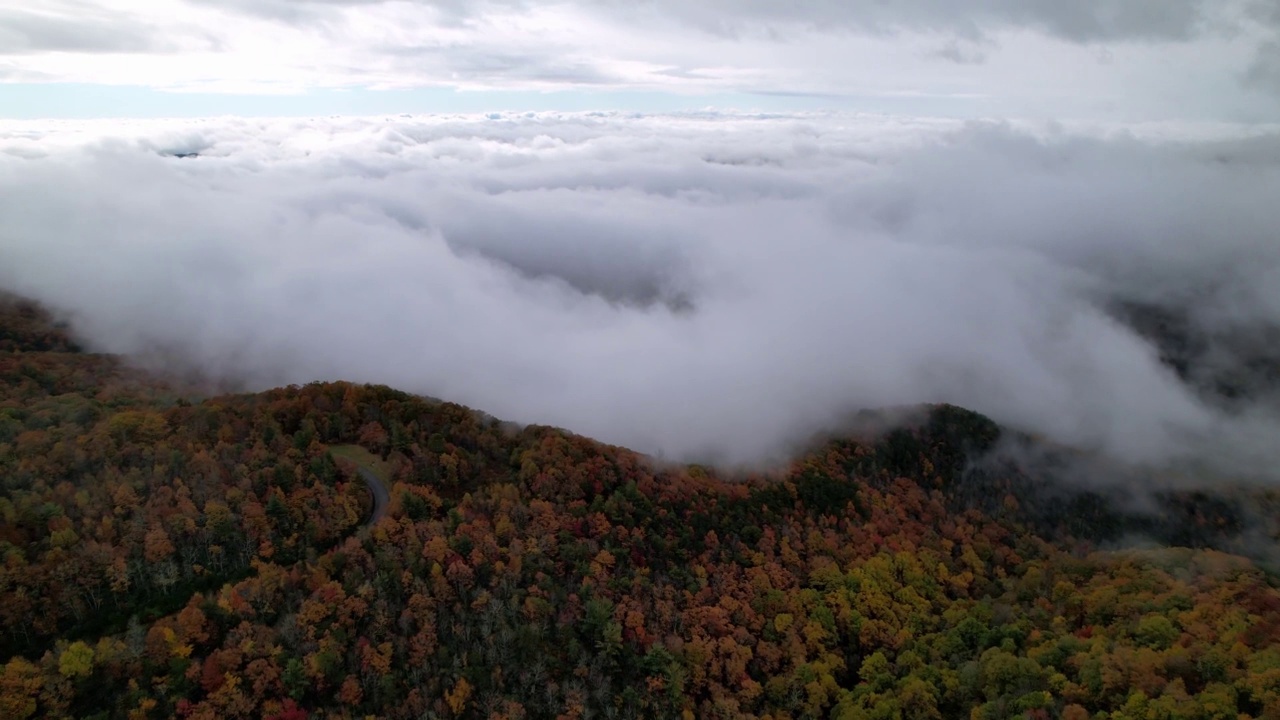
(962, 53)
(1083, 21)
(701, 286)
(1264, 73)
(1040, 59)
(307, 11)
(23, 31)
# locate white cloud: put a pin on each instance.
(702, 284)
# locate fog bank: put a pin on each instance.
(696, 286)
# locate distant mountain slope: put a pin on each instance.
(1232, 364)
(26, 326)
(163, 555)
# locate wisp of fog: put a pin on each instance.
(700, 286)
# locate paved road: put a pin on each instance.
(381, 497)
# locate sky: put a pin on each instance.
(705, 231)
(1112, 60)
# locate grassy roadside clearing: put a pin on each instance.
(365, 459)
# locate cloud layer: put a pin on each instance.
(1113, 59)
(699, 286)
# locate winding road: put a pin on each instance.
(381, 496)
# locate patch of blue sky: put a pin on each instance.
(85, 101)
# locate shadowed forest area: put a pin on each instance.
(167, 554)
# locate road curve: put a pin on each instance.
(381, 496)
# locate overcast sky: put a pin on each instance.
(1117, 60)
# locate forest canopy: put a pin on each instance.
(170, 553)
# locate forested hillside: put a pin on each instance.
(168, 555)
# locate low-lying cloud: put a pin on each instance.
(697, 286)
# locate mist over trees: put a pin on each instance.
(592, 270)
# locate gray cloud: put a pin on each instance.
(963, 53)
(1264, 73)
(1081, 21)
(93, 32)
(288, 11)
(1085, 21)
(449, 12)
(970, 27)
(698, 285)
(492, 63)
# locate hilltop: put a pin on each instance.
(167, 553)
